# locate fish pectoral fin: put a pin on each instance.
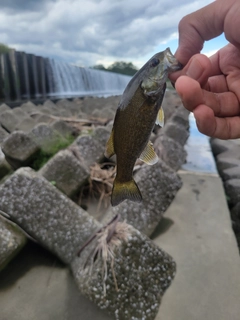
(148, 155)
(127, 190)
(109, 152)
(160, 117)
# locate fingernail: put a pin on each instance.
(194, 70)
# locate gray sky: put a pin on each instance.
(88, 32)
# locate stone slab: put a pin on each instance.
(200, 238)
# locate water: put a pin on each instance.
(66, 80)
(200, 157)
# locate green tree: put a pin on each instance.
(119, 67)
(99, 67)
(123, 67)
(4, 48)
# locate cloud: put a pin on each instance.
(87, 31)
(12, 6)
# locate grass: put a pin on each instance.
(44, 156)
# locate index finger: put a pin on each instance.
(199, 26)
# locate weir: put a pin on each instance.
(25, 76)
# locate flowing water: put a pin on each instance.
(68, 80)
(200, 157)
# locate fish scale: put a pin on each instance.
(135, 118)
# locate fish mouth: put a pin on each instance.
(172, 63)
(175, 67)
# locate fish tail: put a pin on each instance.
(125, 190)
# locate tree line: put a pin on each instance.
(122, 67)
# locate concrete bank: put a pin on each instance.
(200, 238)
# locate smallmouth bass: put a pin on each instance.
(138, 111)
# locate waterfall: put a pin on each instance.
(26, 76)
(68, 80)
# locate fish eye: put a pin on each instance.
(154, 62)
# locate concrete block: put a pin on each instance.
(4, 107)
(19, 149)
(26, 124)
(45, 213)
(177, 132)
(3, 134)
(70, 106)
(230, 173)
(29, 107)
(170, 151)
(5, 168)
(45, 137)
(232, 188)
(63, 128)
(91, 147)
(11, 241)
(66, 171)
(9, 120)
(158, 185)
(136, 272)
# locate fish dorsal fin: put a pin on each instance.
(109, 152)
(148, 155)
(160, 117)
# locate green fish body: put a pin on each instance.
(137, 113)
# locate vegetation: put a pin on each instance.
(122, 67)
(4, 48)
(44, 156)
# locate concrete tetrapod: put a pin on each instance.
(127, 278)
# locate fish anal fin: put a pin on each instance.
(127, 190)
(109, 151)
(148, 155)
(160, 117)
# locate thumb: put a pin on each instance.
(198, 68)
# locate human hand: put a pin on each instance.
(210, 87)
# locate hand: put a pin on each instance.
(210, 87)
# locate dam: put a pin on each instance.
(25, 76)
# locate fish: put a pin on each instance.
(138, 111)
